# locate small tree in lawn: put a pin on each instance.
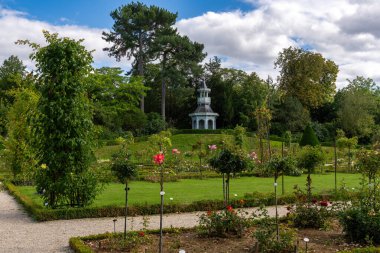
(309, 137)
(228, 161)
(279, 166)
(349, 143)
(201, 153)
(124, 170)
(310, 158)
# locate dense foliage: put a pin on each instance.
(62, 130)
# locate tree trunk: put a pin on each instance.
(268, 140)
(163, 99)
(163, 88)
(309, 186)
(140, 69)
(335, 165)
(126, 209)
(224, 191)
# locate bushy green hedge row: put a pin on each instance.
(42, 214)
(363, 250)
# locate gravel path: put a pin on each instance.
(19, 233)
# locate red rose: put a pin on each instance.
(159, 158)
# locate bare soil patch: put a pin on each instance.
(321, 241)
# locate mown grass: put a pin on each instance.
(189, 190)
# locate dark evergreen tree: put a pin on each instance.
(309, 137)
(137, 26)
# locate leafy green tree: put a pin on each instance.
(289, 114)
(306, 75)
(115, 99)
(124, 170)
(357, 106)
(349, 143)
(228, 161)
(309, 158)
(63, 127)
(136, 28)
(309, 137)
(12, 75)
(263, 116)
(20, 154)
(179, 57)
(250, 94)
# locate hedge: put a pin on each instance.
(363, 250)
(43, 214)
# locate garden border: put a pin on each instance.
(40, 214)
(77, 243)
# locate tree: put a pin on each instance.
(229, 160)
(124, 170)
(309, 159)
(179, 57)
(19, 151)
(357, 106)
(248, 96)
(309, 137)
(349, 143)
(115, 99)
(307, 76)
(12, 75)
(63, 127)
(289, 115)
(263, 116)
(135, 29)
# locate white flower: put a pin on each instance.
(306, 239)
(235, 195)
(171, 198)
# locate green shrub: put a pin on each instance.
(361, 225)
(222, 223)
(79, 246)
(309, 137)
(266, 234)
(310, 216)
(154, 124)
(363, 250)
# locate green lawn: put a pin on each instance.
(189, 190)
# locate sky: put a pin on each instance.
(245, 34)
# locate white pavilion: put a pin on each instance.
(203, 117)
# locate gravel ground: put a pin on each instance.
(19, 233)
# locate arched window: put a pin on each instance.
(201, 124)
(210, 124)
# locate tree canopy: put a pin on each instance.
(307, 76)
(137, 26)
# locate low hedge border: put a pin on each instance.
(42, 214)
(78, 243)
(364, 250)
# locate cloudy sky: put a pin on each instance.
(246, 34)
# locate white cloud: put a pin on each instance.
(17, 26)
(344, 31)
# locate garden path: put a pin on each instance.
(20, 234)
